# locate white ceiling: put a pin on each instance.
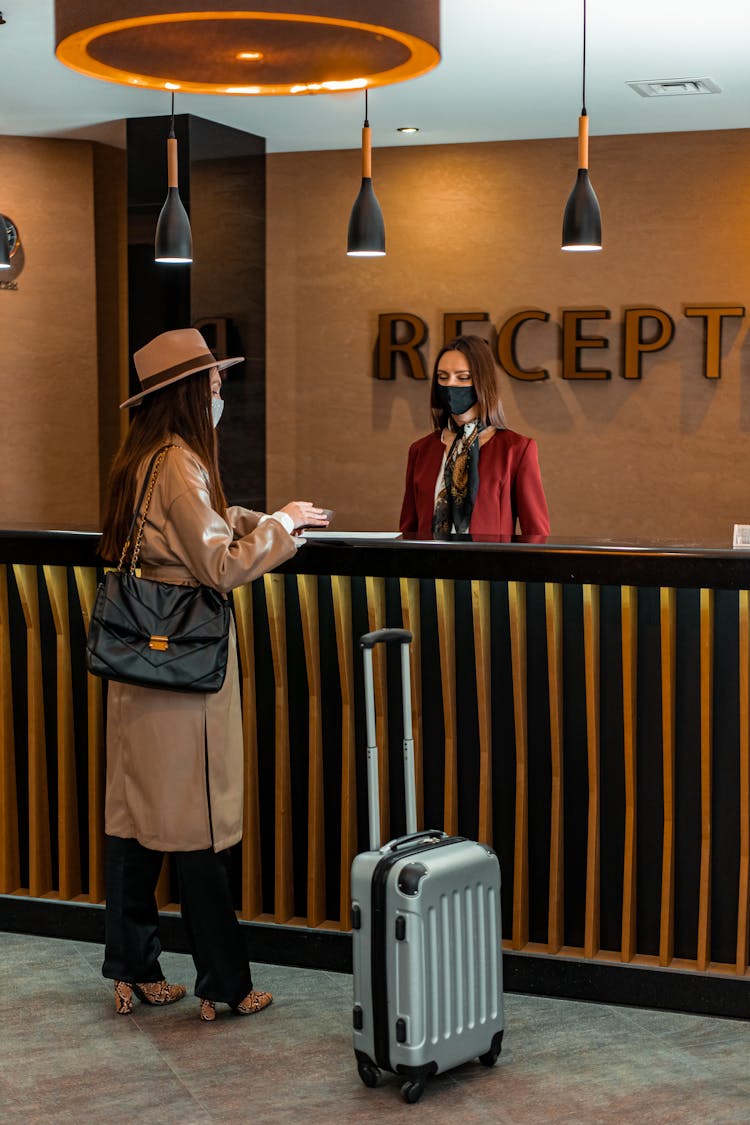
(510, 70)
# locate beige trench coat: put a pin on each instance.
(174, 759)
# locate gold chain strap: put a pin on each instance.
(139, 533)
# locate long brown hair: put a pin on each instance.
(484, 374)
(183, 410)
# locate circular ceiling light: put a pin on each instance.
(303, 47)
(407, 129)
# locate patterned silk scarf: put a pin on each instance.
(455, 501)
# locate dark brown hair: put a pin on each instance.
(484, 374)
(183, 410)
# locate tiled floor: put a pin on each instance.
(66, 1057)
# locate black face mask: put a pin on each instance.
(456, 400)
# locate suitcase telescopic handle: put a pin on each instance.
(386, 636)
(367, 644)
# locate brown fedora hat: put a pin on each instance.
(171, 356)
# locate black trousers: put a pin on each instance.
(131, 924)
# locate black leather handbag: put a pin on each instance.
(157, 634)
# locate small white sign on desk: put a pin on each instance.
(741, 537)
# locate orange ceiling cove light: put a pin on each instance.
(299, 46)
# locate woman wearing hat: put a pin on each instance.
(175, 759)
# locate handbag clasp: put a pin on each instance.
(161, 644)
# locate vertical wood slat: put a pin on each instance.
(591, 643)
(307, 584)
(629, 637)
(668, 630)
(40, 863)
(556, 907)
(10, 864)
(446, 621)
(86, 585)
(68, 845)
(743, 890)
(251, 892)
(517, 618)
(706, 721)
(411, 618)
(283, 871)
(341, 589)
(375, 589)
(480, 601)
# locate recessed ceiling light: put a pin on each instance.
(407, 129)
(252, 55)
(674, 87)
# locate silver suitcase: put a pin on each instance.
(426, 933)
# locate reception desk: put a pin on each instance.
(583, 707)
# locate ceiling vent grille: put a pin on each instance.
(674, 87)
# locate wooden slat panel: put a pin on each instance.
(446, 621)
(480, 600)
(86, 585)
(412, 620)
(629, 626)
(743, 891)
(591, 642)
(517, 617)
(69, 853)
(307, 585)
(706, 695)
(283, 884)
(10, 868)
(375, 588)
(40, 864)
(556, 908)
(252, 904)
(341, 589)
(668, 629)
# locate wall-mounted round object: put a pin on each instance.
(11, 233)
(279, 47)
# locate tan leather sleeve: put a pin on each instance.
(242, 520)
(197, 537)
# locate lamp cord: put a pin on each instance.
(583, 113)
(367, 123)
(171, 124)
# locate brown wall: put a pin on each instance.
(477, 227)
(49, 461)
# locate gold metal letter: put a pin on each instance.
(572, 343)
(714, 317)
(389, 347)
(506, 346)
(634, 344)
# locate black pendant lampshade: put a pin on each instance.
(174, 242)
(582, 222)
(366, 228)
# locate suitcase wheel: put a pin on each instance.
(489, 1058)
(370, 1075)
(412, 1090)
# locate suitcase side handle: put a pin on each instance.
(387, 636)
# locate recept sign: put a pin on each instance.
(646, 329)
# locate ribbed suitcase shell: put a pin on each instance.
(428, 986)
(426, 933)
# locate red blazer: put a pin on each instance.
(510, 487)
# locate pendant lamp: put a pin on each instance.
(582, 222)
(174, 242)
(4, 241)
(366, 229)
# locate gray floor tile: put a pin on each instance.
(65, 1052)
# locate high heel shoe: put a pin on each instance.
(154, 992)
(253, 1002)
